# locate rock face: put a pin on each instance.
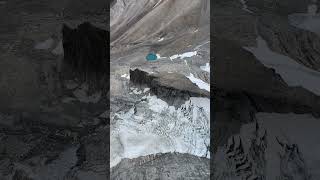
(174, 88)
(247, 86)
(41, 133)
(244, 86)
(168, 166)
(85, 49)
(233, 71)
(299, 44)
(233, 23)
(169, 29)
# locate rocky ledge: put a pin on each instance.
(174, 88)
(244, 86)
(162, 166)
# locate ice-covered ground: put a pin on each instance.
(293, 73)
(151, 126)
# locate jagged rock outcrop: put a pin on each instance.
(299, 44)
(174, 88)
(240, 71)
(231, 22)
(167, 166)
(292, 163)
(40, 130)
(244, 86)
(86, 49)
(243, 162)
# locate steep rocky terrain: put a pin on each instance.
(159, 166)
(161, 106)
(265, 60)
(50, 128)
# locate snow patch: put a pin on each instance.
(206, 67)
(136, 91)
(293, 73)
(127, 76)
(146, 90)
(159, 56)
(184, 55)
(201, 84)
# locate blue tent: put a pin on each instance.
(151, 57)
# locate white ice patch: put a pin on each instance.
(136, 91)
(146, 90)
(152, 126)
(127, 76)
(206, 67)
(159, 56)
(293, 73)
(58, 50)
(184, 55)
(201, 84)
(160, 39)
(185, 61)
(45, 44)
